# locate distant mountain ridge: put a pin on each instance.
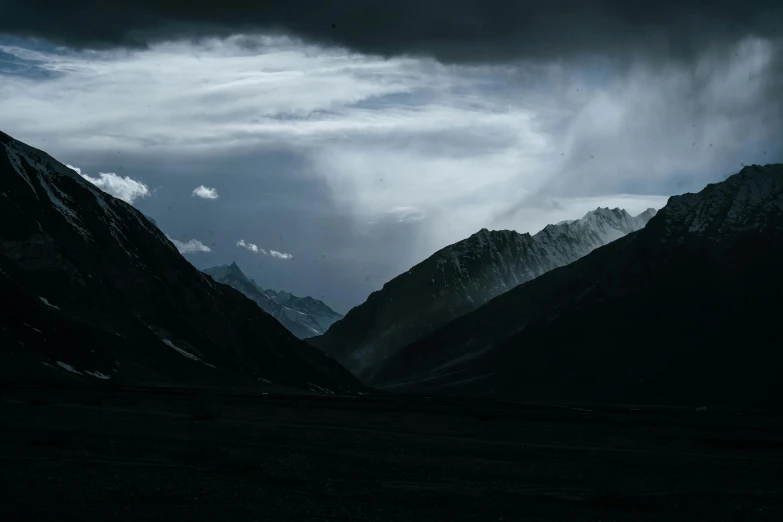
(460, 278)
(680, 312)
(303, 316)
(320, 312)
(92, 291)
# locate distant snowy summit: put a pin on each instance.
(302, 316)
(460, 278)
(320, 312)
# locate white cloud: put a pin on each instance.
(190, 246)
(77, 169)
(250, 246)
(124, 188)
(278, 91)
(280, 255)
(205, 192)
(256, 250)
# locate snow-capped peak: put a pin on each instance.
(618, 218)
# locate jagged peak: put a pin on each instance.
(231, 266)
(616, 219)
(742, 200)
(612, 213)
(769, 168)
(486, 233)
(484, 237)
(647, 215)
(767, 177)
(224, 270)
(234, 267)
(772, 173)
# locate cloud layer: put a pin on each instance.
(363, 166)
(465, 31)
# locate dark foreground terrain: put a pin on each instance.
(142, 454)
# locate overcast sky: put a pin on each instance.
(327, 150)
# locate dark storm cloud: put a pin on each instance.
(460, 31)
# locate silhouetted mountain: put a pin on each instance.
(90, 289)
(302, 316)
(684, 311)
(459, 279)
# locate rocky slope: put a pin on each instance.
(302, 316)
(684, 311)
(459, 279)
(91, 290)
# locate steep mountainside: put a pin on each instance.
(304, 317)
(90, 289)
(459, 279)
(684, 311)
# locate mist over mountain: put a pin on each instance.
(681, 311)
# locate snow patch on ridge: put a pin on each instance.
(47, 303)
(68, 367)
(16, 163)
(98, 374)
(187, 354)
(58, 201)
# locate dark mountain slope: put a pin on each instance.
(684, 311)
(89, 286)
(460, 278)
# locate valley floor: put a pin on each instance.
(71, 454)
